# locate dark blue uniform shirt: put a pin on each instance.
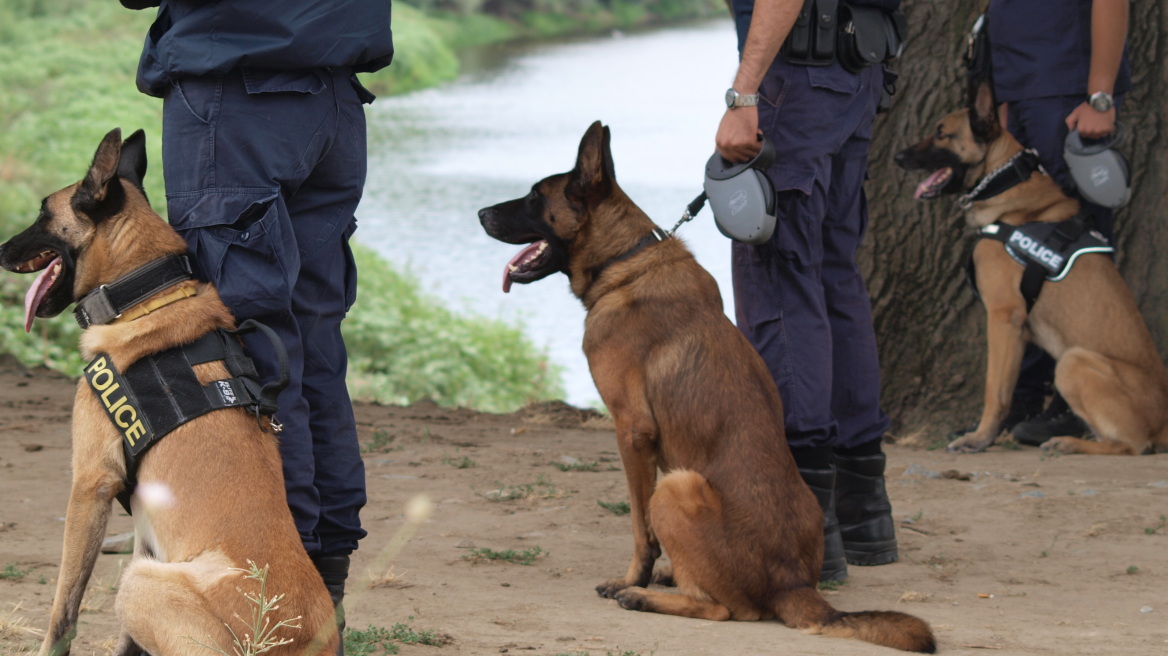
(196, 37)
(1042, 49)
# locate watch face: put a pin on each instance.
(731, 94)
(1101, 102)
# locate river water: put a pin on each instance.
(516, 115)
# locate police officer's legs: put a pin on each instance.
(779, 299)
(232, 187)
(862, 505)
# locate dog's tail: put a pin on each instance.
(804, 608)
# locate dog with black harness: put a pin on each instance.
(1044, 277)
(163, 361)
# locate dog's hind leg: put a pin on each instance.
(1114, 398)
(687, 517)
(163, 606)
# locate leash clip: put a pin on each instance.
(690, 212)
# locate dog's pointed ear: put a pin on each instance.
(983, 113)
(594, 174)
(95, 188)
(132, 166)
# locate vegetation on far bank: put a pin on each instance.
(67, 72)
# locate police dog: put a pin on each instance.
(218, 495)
(1108, 370)
(690, 397)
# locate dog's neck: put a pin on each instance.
(1036, 197)
(630, 233)
(137, 293)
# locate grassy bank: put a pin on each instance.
(67, 77)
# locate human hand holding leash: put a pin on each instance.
(1090, 122)
(738, 138)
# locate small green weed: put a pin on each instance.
(525, 557)
(540, 489)
(379, 640)
(831, 585)
(260, 633)
(463, 463)
(577, 466)
(617, 508)
(1132, 569)
(1152, 530)
(14, 573)
(379, 442)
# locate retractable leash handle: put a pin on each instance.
(742, 197)
(1101, 173)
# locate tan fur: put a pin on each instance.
(223, 472)
(1109, 369)
(692, 398)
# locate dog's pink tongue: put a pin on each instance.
(931, 182)
(36, 293)
(521, 256)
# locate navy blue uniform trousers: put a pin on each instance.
(264, 171)
(800, 298)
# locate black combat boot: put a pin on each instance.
(334, 570)
(1056, 421)
(822, 483)
(863, 509)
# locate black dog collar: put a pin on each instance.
(108, 302)
(1015, 171)
(657, 235)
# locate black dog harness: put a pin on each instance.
(1046, 250)
(160, 391)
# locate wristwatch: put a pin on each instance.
(1101, 101)
(735, 99)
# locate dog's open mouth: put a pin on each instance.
(528, 265)
(932, 186)
(49, 264)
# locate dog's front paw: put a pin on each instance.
(632, 599)
(609, 589)
(970, 443)
(1060, 445)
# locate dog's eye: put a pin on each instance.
(940, 135)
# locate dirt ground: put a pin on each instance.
(1007, 552)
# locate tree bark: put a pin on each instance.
(930, 326)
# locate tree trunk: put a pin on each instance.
(930, 326)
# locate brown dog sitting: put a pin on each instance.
(690, 397)
(1072, 303)
(211, 495)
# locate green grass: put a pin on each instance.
(460, 463)
(1152, 530)
(376, 640)
(13, 573)
(617, 508)
(525, 557)
(540, 489)
(577, 466)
